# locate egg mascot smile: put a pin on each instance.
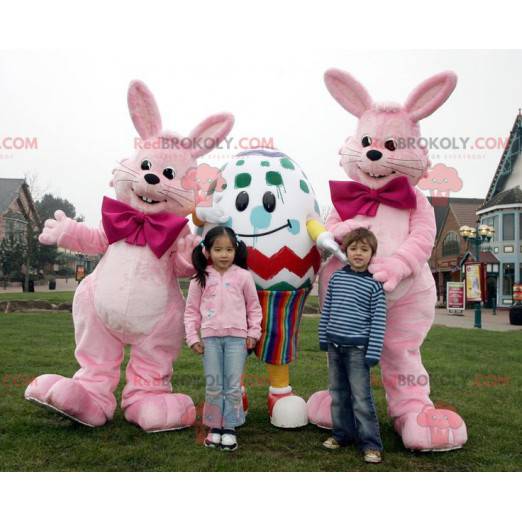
(269, 202)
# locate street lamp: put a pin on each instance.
(476, 236)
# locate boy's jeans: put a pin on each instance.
(223, 361)
(353, 411)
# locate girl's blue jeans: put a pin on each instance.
(354, 417)
(223, 361)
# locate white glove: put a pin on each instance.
(214, 214)
(326, 241)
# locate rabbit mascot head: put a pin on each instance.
(133, 296)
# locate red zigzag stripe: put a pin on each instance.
(267, 267)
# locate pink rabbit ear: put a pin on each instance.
(210, 132)
(347, 91)
(430, 95)
(143, 110)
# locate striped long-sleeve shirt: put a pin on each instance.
(354, 313)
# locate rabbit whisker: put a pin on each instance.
(399, 159)
(129, 180)
(404, 166)
(128, 168)
(174, 190)
(400, 171)
(126, 172)
(175, 197)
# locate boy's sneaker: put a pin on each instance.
(331, 444)
(229, 440)
(213, 438)
(372, 456)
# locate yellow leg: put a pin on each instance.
(279, 375)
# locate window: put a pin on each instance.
(508, 227)
(520, 225)
(451, 245)
(508, 278)
(492, 222)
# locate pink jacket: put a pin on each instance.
(228, 305)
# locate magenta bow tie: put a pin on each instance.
(351, 198)
(159, 231)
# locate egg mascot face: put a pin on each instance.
(269, 200)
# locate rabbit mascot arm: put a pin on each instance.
(385, 162)
(133, 296)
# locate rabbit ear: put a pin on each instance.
(430, 95)
(347, 91)
(210, 132)
(143, 110)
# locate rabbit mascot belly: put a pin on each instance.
(385, 163)
(271, 205)
(133, 296)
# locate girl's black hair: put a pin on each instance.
(200, 261)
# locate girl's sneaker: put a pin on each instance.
(229, 440)
(213, 438)
(372, 456)
(331, 443)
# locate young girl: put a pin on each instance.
(222, 302)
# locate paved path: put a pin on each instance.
(62, 285)
(499, 322)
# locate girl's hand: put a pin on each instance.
(250, 343)
(198, 348)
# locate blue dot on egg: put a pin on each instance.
(295, 226)
(260, 218)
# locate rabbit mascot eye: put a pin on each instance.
(385, 163)
(133, 296)
(269, 202)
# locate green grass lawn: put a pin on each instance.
(477, 372)
(52, 297)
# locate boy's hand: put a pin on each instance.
(250, 343)
(370, 362)
(198, 348)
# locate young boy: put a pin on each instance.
(351, 329)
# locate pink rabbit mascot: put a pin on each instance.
(133, 296)
(386, 163)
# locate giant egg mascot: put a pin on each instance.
(269, 202)
(385, 161)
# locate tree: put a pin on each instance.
(49, 204)
(11, 259)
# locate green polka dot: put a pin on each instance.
(242, 180)
(265, 164)
(287, 164)
(240, 162)
(304, 186)
(273, 178)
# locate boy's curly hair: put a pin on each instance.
(360, 234)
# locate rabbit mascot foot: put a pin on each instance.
(133, 296)
(385, 162)
(271, 205)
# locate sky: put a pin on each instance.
(71, 105)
